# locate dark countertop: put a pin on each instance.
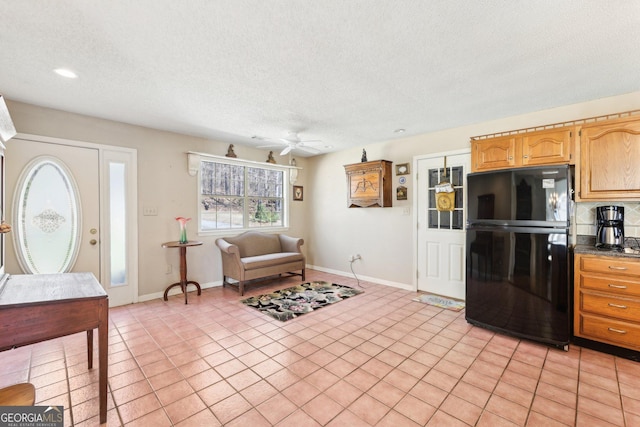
(586, 245)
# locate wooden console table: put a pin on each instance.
(183, 268)
(39, 307)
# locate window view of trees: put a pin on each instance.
(235, 196)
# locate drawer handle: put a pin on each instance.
(613, 267)
(617, 331)
(611, 285)
(617, 305)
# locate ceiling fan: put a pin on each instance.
(293, 142)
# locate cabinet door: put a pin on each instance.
(495, 153)
(610, 154)
(364, 188)
(547, 147)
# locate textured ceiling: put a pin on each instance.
(347, 72)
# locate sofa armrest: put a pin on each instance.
(231, 263)
(290, 244)
(228, 248)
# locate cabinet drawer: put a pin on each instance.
(609, 265)
(614, 332)
(620, 308)
(611, 284)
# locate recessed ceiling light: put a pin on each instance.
(399, 131)
(65, 73)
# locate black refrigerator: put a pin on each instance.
(517, 259)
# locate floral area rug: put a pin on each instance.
(438, 301)
(290, 303)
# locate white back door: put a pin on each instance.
(440, 239)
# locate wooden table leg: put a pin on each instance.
(90, 347)
(103, 353)
(183, 283)
(183, 271)
(166, 291)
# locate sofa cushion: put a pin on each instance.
(268, 260)
(253, 243)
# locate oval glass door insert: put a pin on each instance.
(47, 216)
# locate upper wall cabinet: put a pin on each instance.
(609, 159)
(494, 153)
(369, 184)
(546, 147)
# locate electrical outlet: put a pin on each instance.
(352, 258)
(169, 269)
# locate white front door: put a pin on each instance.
(96, 175)
(441, 234)
(82, 164)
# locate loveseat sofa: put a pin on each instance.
(254, 255)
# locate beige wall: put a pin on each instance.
(163, 182)
(383, 236)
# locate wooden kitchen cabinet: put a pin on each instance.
(607, 300)
(546, 147)
(369, 184)
(494, 153)
(609, 159)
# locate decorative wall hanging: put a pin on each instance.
(402, 169)
(293, 172)
(298, 193)
(445, 193)
(369, 184)
(445, 197)
(401, 193)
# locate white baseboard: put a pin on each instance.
(176, 290)
(365, 278)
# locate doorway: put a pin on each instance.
(76, 200)
(440, 241)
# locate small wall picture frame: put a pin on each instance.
(401, 193)
(298, 193)
(402, 169)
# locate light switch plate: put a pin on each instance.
(150, 211)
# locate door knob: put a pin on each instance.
(93, 242)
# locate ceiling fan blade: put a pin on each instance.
(310, 150)
(286, 150)
(269, 146)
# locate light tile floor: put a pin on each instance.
(375, 359)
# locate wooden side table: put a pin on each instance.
(183, 268)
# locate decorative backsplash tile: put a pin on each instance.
(586, 217)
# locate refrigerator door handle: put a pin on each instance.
(529, 230)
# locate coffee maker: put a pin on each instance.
(610, 220)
